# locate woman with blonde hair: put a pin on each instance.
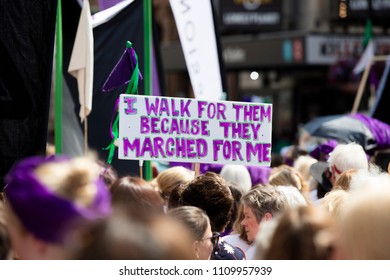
(48, 200)
(285, 175)
(334, 201)
(344, 180)
(168, 179)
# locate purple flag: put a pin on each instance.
(122, 71)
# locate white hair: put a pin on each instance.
(368, 179)
(348, 156)
(237, 175)
(293, 195)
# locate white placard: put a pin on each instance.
(194, 21)
(192, 130)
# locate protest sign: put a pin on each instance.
(192, 130)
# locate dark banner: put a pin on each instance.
(109, 44)
(250, 15)
(361, 9)
(27, 31)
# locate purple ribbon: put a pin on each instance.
(44, 213)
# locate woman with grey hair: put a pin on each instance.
(260, 204)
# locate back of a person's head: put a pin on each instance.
(194, 218)
(71, 179)
(364, 225)
(344, 180)
(210, 192)
(301, 233)
(168, 179)
(174, 199)
(237, 175)
(118, 238)
(367, 179)
(293, 196)
(302, 165)
(285, 175)
(122, 238)
(134, 194)
(128, 188)
(48, 195)
(334, 201)
(348, 156)
(174, 237)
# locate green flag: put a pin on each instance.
(367, 33)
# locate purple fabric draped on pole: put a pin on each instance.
(380, 130)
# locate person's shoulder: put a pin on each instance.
(250, 253)
(226, 251)
(235, 240)
(231, 237)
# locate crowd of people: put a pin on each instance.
(59, 207)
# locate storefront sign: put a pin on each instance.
(243, 15)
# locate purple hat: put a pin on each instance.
(323, 150)
(44, 213)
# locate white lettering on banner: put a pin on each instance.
(192, 130)
(195, 24)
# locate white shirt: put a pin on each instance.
(235, 240)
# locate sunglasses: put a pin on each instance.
(214, 238)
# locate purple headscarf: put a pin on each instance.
(41, 211)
